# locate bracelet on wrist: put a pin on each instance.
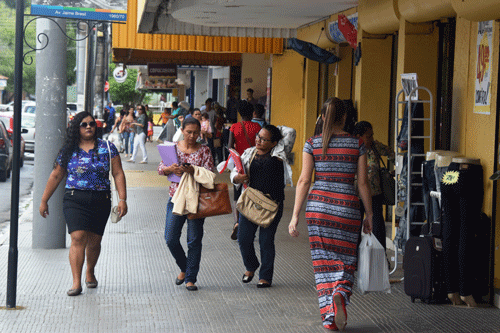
(124, 200)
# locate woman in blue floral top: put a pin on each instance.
(85, 160)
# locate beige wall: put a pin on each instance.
(254, 74)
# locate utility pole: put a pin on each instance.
(50, 127)
(99, 72)
(88, 72)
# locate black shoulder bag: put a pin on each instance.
(387, 182)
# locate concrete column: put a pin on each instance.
(49, 233)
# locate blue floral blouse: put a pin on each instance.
(87, 171)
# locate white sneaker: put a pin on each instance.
(131, 161)
(143, 162)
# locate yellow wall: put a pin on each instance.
(288, 99)
(418, 52)
(254, 74)
(474, 134)
(373, 84)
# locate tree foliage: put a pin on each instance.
(125, 93)
(7, 45)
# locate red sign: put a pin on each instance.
(106, 86)
(348, 30)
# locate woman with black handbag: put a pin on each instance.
(265, 173)
(375, 149)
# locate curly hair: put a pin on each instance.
(71, 144)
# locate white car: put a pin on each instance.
(28, 123)
(10, 106)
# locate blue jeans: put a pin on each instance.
(131, 136)
(173, 229)
(246, 235)
(126, 139)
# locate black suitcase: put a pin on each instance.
(422, 264)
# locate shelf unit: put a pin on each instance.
(410, 185)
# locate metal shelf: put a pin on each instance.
(410, 185)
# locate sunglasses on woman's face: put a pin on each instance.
(91, 124)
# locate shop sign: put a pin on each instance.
(104, 10)
(3, 83)
(333, 32)
(164, 71)
(483, 68)
(348, 30)
(157, 84)
(120, 74)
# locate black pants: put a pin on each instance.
(378, 219)
(461, 200)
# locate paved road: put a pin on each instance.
(25, 193)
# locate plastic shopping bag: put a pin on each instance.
(373, 273)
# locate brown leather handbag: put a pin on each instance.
(212, 202)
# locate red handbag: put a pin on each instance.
(213, 202)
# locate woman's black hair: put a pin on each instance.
(73, 138)
(246, 110)
(191, 121)
(260, 110)
(276, 135)
(361, 127)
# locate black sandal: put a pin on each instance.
(234, 234)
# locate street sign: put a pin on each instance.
(106, 86)
(120, 74)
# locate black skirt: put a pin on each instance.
(86, 210)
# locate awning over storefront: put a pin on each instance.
(311, 51)
(141, 57)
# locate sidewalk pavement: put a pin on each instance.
(137, 292)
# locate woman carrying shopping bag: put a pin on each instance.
(332, 212)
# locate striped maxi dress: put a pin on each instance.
(333, 218)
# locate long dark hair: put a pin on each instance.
(334, 110)
(73, 139)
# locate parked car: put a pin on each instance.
(8, 122)
(6, 153)
(28, 123)
(10, 106)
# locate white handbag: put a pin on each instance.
(115, 214)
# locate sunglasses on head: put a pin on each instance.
(91, 124)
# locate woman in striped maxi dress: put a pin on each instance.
(333, 210)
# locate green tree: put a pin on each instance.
(125, 93)
(7, 45)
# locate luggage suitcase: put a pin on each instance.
(421, 264)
